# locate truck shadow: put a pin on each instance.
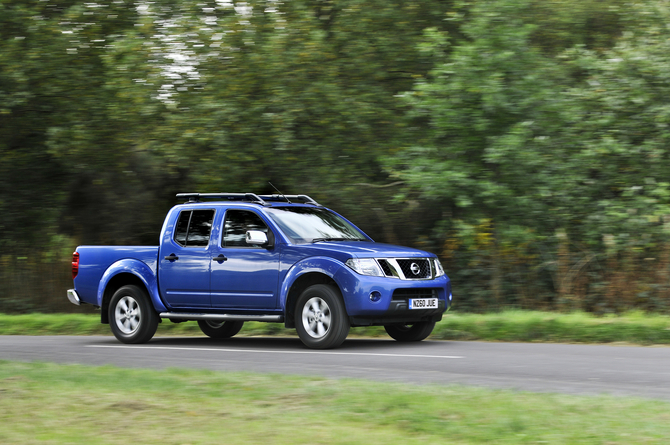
(349, 345)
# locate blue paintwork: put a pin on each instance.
(185, 282)
(140, 270)
(319, 264)
(252, 279)
(249, 278)
(98, 265)
(356, 290)
(362, 249)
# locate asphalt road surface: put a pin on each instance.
(538, 367)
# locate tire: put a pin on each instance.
(320, 317)
(410, 331)
(220, 329)
(132, 316)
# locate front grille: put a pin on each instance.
(406, 268)
(406, 294)
(388, 271)
(415, 269)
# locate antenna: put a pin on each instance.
(282, 195)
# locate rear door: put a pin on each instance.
(244, 276)
(185, 261)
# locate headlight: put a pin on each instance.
(365, 266)
(438, 268)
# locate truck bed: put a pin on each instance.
(95, 260)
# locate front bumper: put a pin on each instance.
(391, 304)
(73, 297)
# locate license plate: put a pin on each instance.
(423, 303)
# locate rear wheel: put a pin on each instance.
(220, 329)
(132, 317)
(321, 320)
(410, 331)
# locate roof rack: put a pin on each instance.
(196, 197)
(248, 197)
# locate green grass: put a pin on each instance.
(518, 326)
(578, 327)
(53, 404)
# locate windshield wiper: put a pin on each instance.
(316, 240)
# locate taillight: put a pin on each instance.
(75, 264)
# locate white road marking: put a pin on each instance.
(272, 351)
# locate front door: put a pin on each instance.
(246, 276)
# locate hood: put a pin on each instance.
(362, 249)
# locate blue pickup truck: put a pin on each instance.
(227, 258)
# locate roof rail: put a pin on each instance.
(290, 198)
(264, 200)
(250, 197)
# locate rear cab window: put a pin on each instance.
(194, 228)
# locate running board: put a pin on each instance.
(221, 317)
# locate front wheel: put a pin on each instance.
(220, 329)
(321, 320)
(132, 317)
(410, 332)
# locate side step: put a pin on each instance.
(222, 317)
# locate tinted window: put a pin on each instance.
(182, 227)
(236, 225)
(194, 228)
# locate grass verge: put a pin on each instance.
(518, 326)
(50, 403)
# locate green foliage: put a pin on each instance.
(563, 24)
(525, 144)
(524, 141)
(118, 106)
(300, 94)
(71, 115)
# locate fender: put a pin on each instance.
(138, 269)
(321, 264)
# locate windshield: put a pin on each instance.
(311, 225)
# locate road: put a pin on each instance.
(538, 367)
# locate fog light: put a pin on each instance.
(449, 297)
(375, 296)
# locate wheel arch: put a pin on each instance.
(297, 288)
(127, 272)
(304, 273)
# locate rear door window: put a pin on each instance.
(194, 228)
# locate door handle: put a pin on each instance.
(172, 257)
(221, 258)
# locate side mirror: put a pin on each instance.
(256, 237)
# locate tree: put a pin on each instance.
(75, 87)
(527, 149)
(300, 94)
